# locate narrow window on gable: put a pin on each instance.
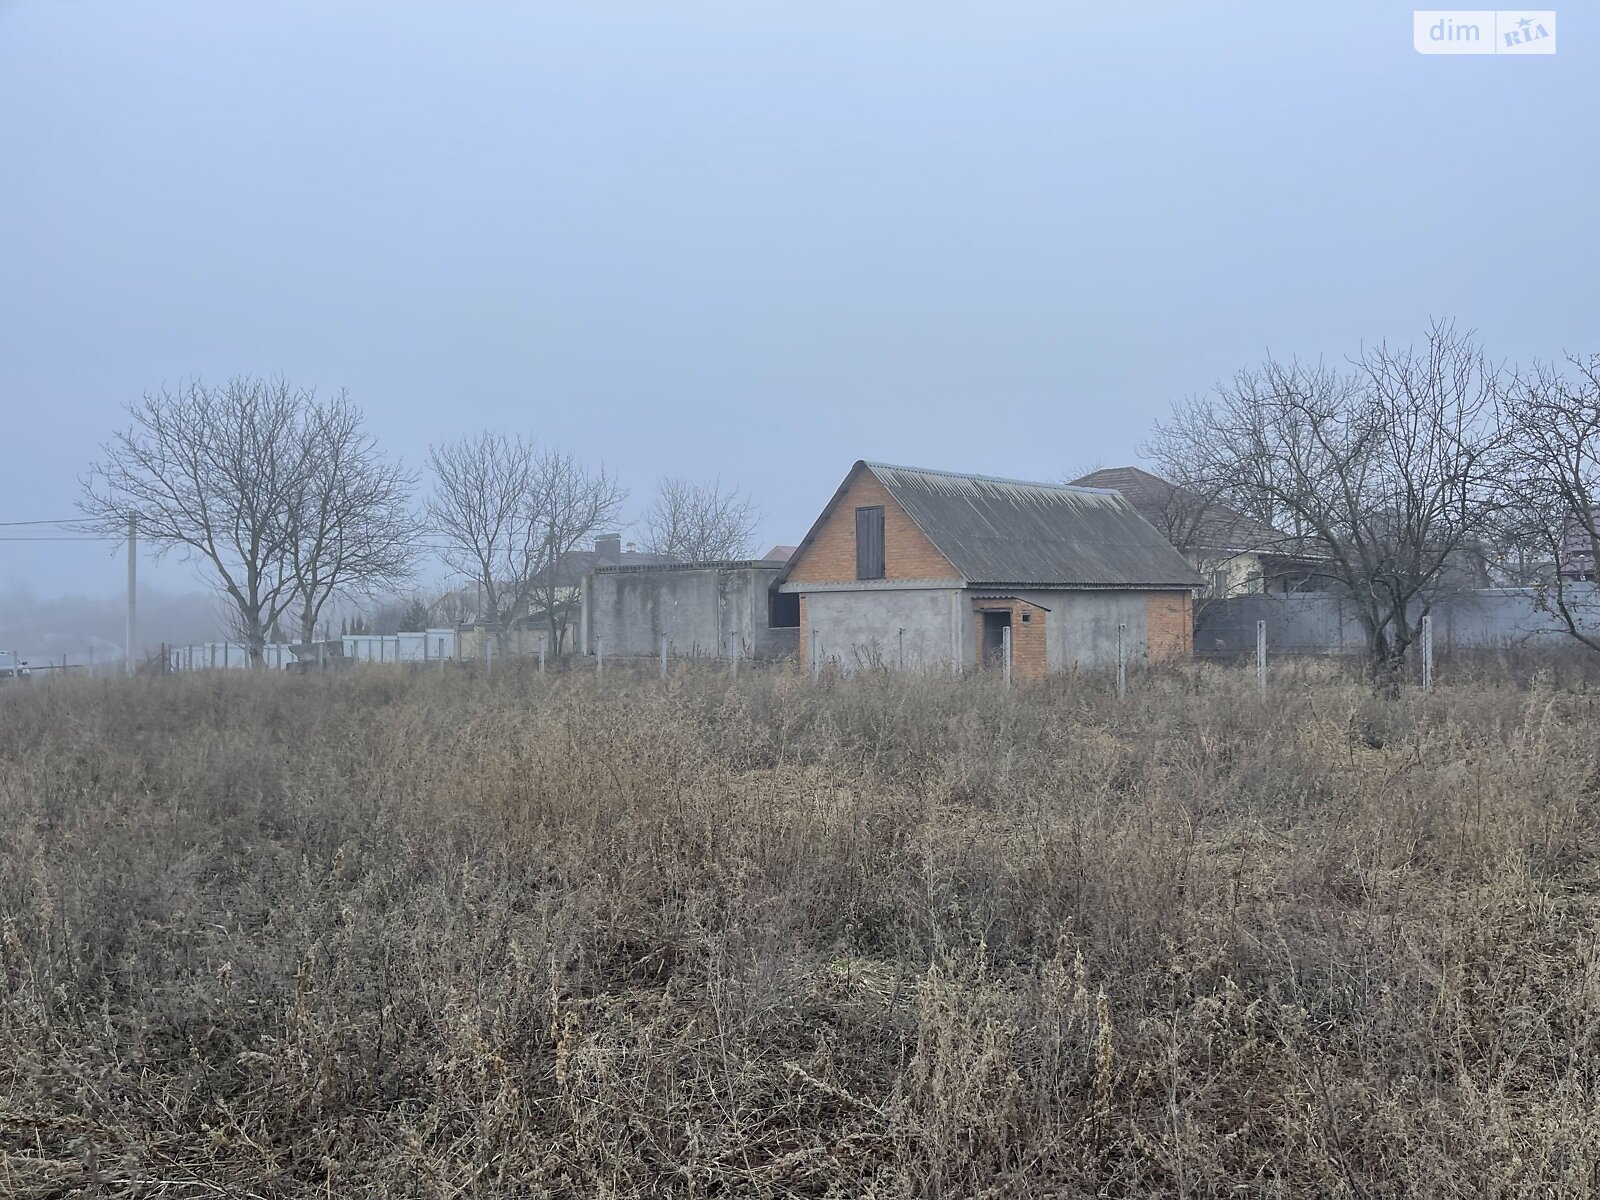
(869, 542)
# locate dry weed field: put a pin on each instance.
(413, 934)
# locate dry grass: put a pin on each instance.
(411, 934)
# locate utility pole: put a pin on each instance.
(133, 581)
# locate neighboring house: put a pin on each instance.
(1577, 563)
(1234, 554)
(936, 569)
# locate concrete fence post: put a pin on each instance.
(1122, 661)
(488, 656)
(733, 654)
(543, 641)
(816, 656)
(902, 649)
(599, 655)
(663, 658)
(1005, 648)
(1427, 652)
(1261, 658)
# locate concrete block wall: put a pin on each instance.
(944, 627)
(1326, 623)
(701, 611)
(862, 628)
(1085, 627)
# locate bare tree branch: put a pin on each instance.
(699, 522)
(1385, 470)
(490, 507)
(355, 533)
(575, 504)
(214, 474)
(1551, 473)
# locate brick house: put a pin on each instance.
(924, 568)
(1234, 554)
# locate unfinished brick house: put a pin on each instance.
(917, 568)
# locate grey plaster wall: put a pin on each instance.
(700, 611)
(1323, 622)
(1311, 622)
(863, 628)
(1498, 617)
(1082, 630)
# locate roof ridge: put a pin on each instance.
(1133, 467)
(1055, 487)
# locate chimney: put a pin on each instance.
(607, 549)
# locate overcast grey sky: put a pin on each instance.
(756, 239)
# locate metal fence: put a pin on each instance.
(426, 646)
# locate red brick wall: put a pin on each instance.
(1027, 638)
(831, 557)
(1169, 625)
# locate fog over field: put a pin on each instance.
(753, 242)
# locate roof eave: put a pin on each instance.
(1117, 586)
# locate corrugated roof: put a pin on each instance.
(1189, 519)
(1012, 533)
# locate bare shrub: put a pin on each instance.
(422, 933)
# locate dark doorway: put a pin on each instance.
(995, 625)
(783, 609)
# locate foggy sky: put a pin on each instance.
(755, 239)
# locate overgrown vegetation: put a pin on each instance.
(422, 934)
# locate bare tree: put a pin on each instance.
(1385, 470)
(398, 614)
(490, 505)
(575, 504)
(1185, 507)
(700, 522)
(354, 531)
(214, 473)
(450, 607)
(1551, 471)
